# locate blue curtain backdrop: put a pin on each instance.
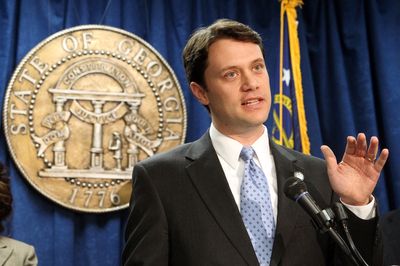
(351, 73)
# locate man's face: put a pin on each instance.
(238, 91)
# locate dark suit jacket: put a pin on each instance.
(183, 213)
(390, 226)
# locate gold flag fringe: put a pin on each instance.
(289, 7)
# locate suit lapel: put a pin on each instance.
(208, 177)
(285, 164)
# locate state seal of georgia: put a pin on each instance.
(83, 107)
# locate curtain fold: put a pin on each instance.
(353, 50)
(350, 65)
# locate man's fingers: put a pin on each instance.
(361, 145)
(372, 149)
(380, 162)
(358, 147)
(329, 156)
(350, 145)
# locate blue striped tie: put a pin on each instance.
(256, 207)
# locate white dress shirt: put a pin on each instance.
(228, 151)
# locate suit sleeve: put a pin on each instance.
(367, 239)
(146, 232)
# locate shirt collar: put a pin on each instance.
(229, 149)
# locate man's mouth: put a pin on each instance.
(252, 101)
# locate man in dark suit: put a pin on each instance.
(185, 205)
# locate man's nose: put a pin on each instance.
(249, 82)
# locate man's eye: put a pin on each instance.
(259, 67)
(230, 74)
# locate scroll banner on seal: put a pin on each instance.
(55, 135)
(289, 119)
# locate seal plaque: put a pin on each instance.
(83, 107)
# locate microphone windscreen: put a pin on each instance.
(294, 187)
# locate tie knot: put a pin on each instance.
(247, 153)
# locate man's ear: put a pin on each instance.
(199, 92)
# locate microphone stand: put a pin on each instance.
(342, 218)
(324, 222)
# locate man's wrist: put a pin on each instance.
(353, 202)
(365, 212)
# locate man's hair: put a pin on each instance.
(195, 53)
(5, 195)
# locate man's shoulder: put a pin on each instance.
(169, 156)
(182, 152)
(296, 155)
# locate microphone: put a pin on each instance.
(296, 190)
